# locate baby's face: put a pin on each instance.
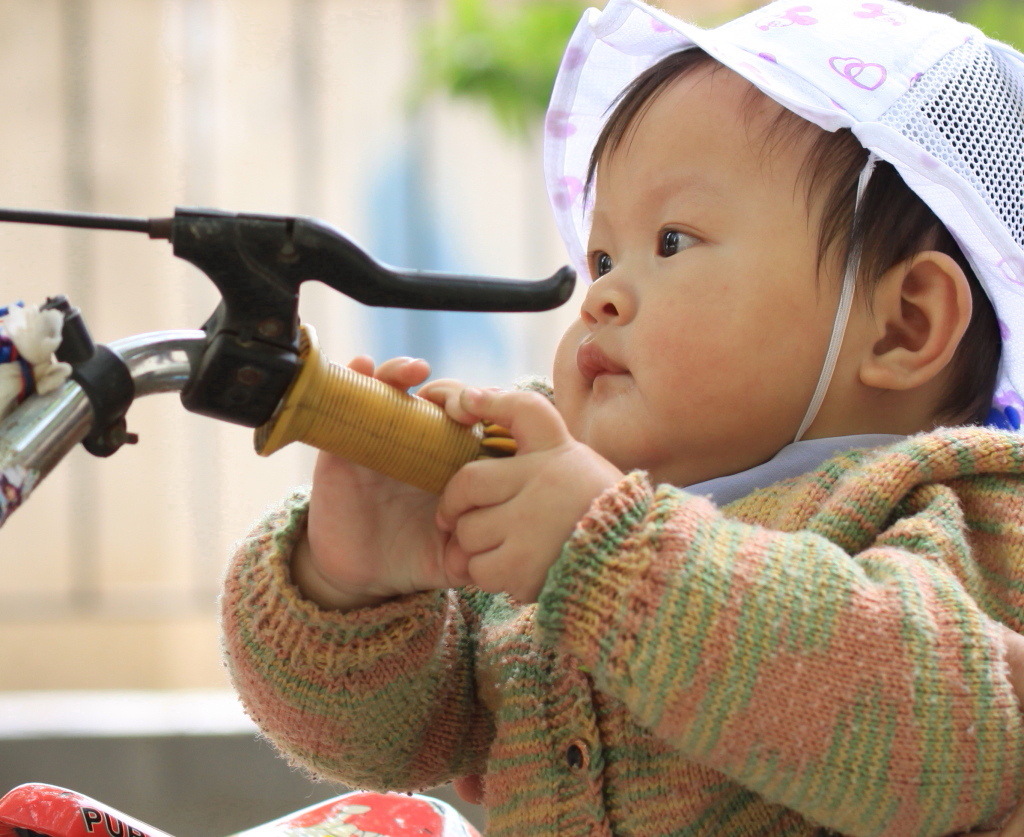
(700, 341)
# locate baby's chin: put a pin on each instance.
(628, 453)
(626, 461)
(679, 471)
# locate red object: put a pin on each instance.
(365, 814)
(55, 812)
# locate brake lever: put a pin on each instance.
(295, 249)
(258, 263)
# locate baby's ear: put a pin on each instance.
(921, 308)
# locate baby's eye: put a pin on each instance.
(602, 263)
(671, 242)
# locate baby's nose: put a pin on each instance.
(607, 301)
(607, 311)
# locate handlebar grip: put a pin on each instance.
(372, 424)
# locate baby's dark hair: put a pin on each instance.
(893, 223)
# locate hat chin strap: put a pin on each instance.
(835, 342)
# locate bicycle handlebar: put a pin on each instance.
(248, 365)
(45, 428)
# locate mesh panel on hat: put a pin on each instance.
(967, 112)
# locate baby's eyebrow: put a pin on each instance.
(693, 184)
(698, 187)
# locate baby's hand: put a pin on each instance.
(509, 518)
(447, 393)
(369, 537)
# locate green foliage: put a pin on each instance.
(506, 57)
(1002, 19)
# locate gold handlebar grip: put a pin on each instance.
(370, 423)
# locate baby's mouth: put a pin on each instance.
(593, 362)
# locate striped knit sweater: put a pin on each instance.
(821, 653)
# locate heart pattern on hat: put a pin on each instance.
(863, 74)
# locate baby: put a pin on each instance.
(756, 566)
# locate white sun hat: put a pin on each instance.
(936, 98)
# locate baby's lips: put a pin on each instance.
(592, 362)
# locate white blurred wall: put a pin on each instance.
(109, 575)
(110, 572)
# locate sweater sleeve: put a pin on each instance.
(381, 698)
(867, 692)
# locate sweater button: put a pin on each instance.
(576, 755)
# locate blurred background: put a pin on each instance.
(411, 125)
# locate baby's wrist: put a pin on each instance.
(315, 588)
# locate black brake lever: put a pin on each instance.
(325, 255)
(258, 263)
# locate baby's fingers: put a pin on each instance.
(363, 364)
(533, 421)
(478, 485)
(447, 393)
(401, 372)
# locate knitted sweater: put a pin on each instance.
(822, 652)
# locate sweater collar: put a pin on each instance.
(793, 460)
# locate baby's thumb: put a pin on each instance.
(531, 419)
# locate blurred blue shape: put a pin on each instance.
(407, 228)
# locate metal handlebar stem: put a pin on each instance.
(44, 428)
